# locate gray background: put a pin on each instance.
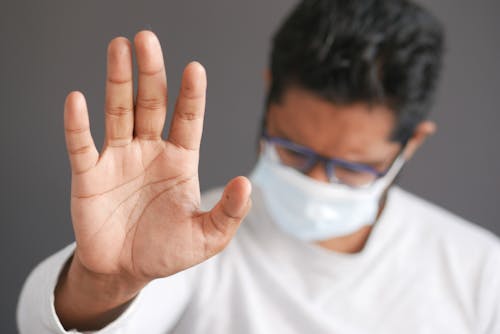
(52, 47)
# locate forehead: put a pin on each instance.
(354, 132)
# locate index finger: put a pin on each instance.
(187, 122)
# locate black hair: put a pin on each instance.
(384, 52)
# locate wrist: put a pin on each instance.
(106, 289)
(89, 300)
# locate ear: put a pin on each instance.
(421, 133)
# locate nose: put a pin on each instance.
(318, 173)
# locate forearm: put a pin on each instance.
(161, 303)
(88, 301)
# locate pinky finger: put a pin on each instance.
(82, 152)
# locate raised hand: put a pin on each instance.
(135, 206)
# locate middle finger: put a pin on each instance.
(151, 100)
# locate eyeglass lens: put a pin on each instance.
(305, 162)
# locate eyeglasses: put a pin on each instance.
(340, 171)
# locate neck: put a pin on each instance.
(354, 242)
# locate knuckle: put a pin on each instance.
(188, 110)
(180, 146)
(189, 115)
(149, 135)
(80, 150)
(219, 227)
(118, 111)
(151, 104)
(230, 217)
(119, 141)
(151, 71)
(76, 131)
(191, 93)
(117, 80)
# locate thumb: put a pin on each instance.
(221, 223)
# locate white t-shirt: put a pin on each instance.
(423, 270)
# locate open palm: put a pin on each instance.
(135, 206)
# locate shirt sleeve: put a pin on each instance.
(488, 307)
(156, 309)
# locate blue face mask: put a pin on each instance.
(311, 210)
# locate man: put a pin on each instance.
(329, 246)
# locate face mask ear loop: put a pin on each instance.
(396, 167)
(270, 153)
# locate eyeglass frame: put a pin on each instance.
(329, 163)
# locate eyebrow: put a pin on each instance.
(373, 163)
(281, 134)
